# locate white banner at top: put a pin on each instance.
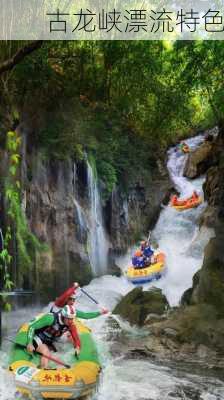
(111, 20)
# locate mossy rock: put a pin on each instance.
(136, 305)
(211, 283)
(199, 324)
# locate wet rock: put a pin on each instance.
(140, 353)
(209, 217)
(214, 195)
(137, 305)
(211, 283)
(202, 351)
(186, 393)
(169, 344)
(113, 268)
(170, 332)
(187, 297)
(188, 348)
(132, 214)
(151, 318)
(199, 160)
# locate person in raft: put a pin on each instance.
(66, 297)
(195, 195)
(174, 200)
(138, 260)
(148, 253)
(44, 330)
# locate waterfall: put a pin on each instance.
(98, 244)
(80, 216)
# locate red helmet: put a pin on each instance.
(138, 253)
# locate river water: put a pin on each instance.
(127, 377)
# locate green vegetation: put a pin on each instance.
(121, 103)
(16, 223)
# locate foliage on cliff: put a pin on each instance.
(124, 102)
(18, 238)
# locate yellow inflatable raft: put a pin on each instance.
(153, 271)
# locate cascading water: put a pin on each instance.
(177, 233)
(98, 244)
(125, 378)
(81, 218)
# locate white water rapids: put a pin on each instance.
(125, 377)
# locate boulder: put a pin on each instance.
(211, 284)
(137, 305)
(170, 332)
(199, 160)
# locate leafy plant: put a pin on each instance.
(17, 226)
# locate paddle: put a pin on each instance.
(115, 317)
(43, 355)
(94, 300)
(90, 297)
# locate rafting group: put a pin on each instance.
(183, 147)
(36, 340)
(147, 264)
(193, 201)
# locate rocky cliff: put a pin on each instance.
(57, 203)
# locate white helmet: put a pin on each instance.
(68, 312)
(77, 293)
(73, 296)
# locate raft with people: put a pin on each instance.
(147, 265)
(34, 341)
(191, 202)
(184, 147)
(79, 380)
(152, 272)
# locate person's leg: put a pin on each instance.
(42, 348)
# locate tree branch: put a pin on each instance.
(20, 55)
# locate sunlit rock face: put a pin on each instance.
(203, 157)
(199, 161)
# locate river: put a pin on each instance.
(125, 376)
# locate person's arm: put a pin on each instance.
(75, 336)
(90, 315)
(45, 320)
(62, 300)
